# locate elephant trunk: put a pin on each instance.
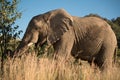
(27, 41)
(21, 49)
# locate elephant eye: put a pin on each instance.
(37, 28)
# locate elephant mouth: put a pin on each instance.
(41, 43)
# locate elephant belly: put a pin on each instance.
(86, 50)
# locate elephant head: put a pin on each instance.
(48, 27)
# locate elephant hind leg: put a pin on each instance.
(104, 58)
(98, 60)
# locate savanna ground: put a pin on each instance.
(31, 67)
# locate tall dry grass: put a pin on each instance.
(31, 67)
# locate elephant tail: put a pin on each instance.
(115, 54)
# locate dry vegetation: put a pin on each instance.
(32, 68)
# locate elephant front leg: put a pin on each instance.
(63, 47)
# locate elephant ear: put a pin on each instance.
(59, 22)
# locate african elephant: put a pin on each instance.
(86, 38)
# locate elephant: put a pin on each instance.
(86, 38)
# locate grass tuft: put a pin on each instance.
(31, 67)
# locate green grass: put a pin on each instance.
(118, 53)
(31, 67)
(118, 56)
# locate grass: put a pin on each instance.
(31, 67)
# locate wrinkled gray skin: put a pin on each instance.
(87, 38)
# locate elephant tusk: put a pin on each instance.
(30, 44)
